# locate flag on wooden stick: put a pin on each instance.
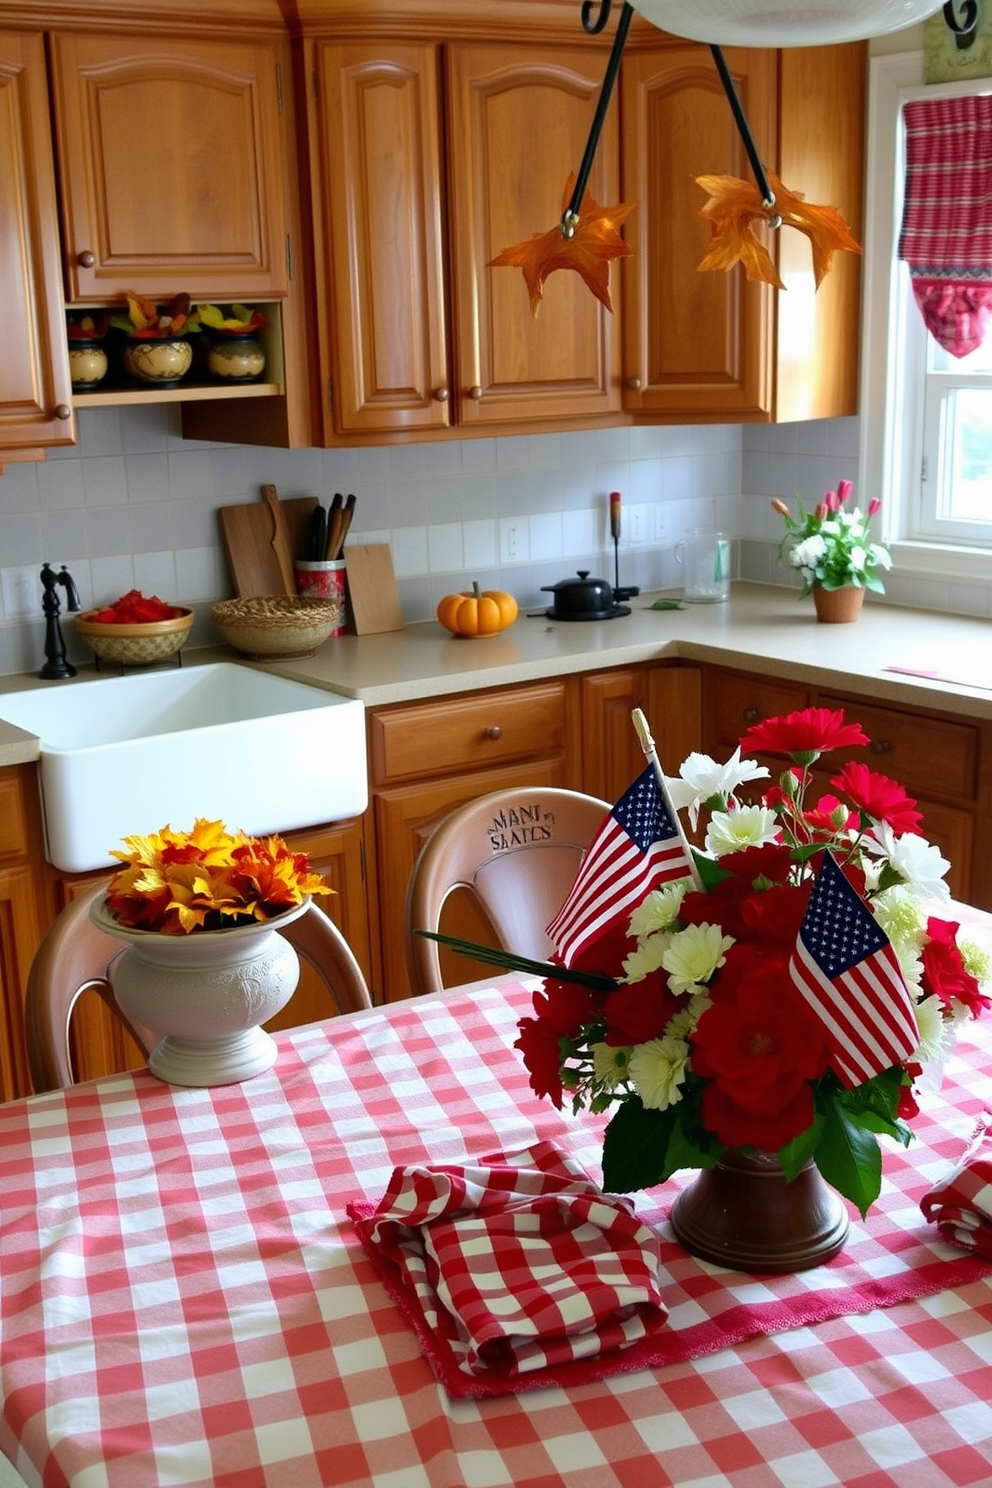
(638, 848)
(846, 969)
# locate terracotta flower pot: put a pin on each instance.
(743, 1213)
(838, 606)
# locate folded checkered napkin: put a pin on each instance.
(514, 1268)
(961, 1203)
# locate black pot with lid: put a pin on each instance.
(583, 598)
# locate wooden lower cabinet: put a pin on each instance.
(669, 698)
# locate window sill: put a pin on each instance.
(933, 561)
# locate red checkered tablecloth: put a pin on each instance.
(184, 1302)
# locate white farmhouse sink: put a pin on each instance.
(124, 756)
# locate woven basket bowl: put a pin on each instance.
(277, 625)
(134, 645)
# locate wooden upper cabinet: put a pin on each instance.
(35, 392)
(713, 345)
(519, 121)
(425, 335)
(380, 246)
(695, 345)
(169, 154)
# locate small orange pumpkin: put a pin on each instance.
(479, 613)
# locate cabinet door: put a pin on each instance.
(669, 698)
(35, 392)
(378, 174)
(520, 119)
(169, 153)
(695, 345)
(338, 853)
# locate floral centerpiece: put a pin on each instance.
(713, 1036)
(177, 883)
(831, 545)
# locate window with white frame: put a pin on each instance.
(927, 416)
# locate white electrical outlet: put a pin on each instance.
(660, 523)
(636, 525)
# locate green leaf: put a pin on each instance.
(796, 1154)
(684, 1151)
(634, 1147)
(507, 961)
(848, 1157)
(709, 870)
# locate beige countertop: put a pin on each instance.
(762, 627)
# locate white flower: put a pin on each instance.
(659, 910)
(610, 1065)
(880, 556)
(935, 1036)
(657, 1070)
(748, 826)
(646, 958)
(684, 1022)
(900, 914)
(693, 955)
(700, 778)
(918, 863)
(807, 554)
(857, 557)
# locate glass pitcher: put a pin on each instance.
(705, 559)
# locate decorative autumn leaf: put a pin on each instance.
(735, 205)
(595, 242)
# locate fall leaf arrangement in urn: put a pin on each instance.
(831, 545)
(784, 996)
(177, 882)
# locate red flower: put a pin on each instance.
(538, 1043)
(878, 796)
(637, 1013)
(820, 819)
(755, 902)
(803, 736)
(944, 973)
(760, 1045)
(563, 1009)
(736, 1126)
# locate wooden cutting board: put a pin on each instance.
(248, 533)
(373, 598)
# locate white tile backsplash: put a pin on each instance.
(133, 504)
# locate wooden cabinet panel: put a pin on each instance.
(35, 391)
(694, 344)
(170, 166)
(478, 731)
(669, 698)
(20, 933)
(520, 118)
(378, 161)
(735, 701)
(338, 853)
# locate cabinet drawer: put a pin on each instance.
(929, 756)
(489, 728)
(735, 702)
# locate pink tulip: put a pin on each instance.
(874, 505)
(844, 489)
(831, 501)
(821, 511)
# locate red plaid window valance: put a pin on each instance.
(946, 236)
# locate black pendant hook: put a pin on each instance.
(747, 138)
(570, 216)
(595, 26)
(969, 16)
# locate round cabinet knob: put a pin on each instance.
(494, 732)
(634, 384)
(63, 411)
(752, 715)
(87, 259)
(441, 395)
(475, 393)
(879, 746)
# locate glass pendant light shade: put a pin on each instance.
(783, 23)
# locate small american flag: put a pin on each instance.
(846, 969)
(638, 848)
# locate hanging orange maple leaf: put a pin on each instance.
(588, 251)
(734, 205)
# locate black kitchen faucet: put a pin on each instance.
(56, 665)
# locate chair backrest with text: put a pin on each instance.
(75, 957)
(516, 852)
